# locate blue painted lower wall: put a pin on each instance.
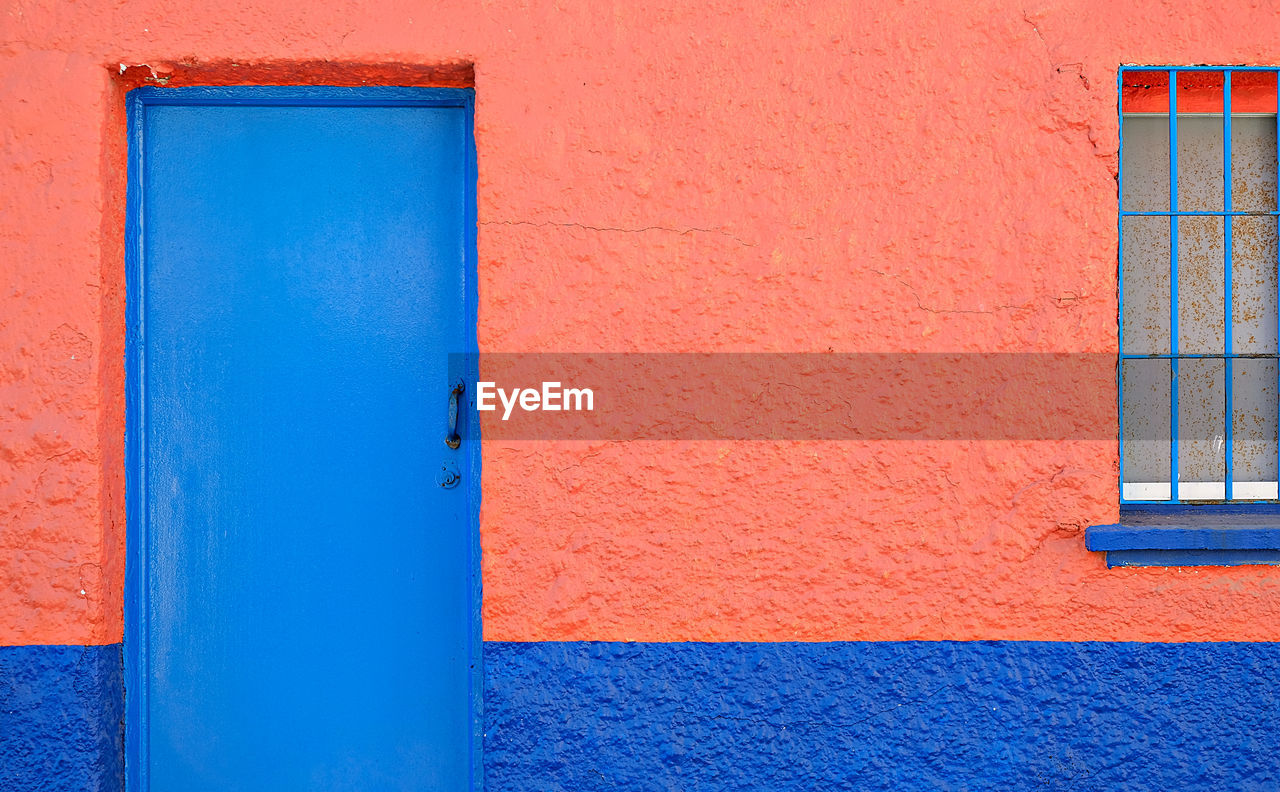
(61, 709)
(882, 716)
(749, 716)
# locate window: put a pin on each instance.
(1199, 346)
(1198, 256)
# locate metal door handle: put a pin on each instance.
(453, 440)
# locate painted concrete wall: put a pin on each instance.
(709, 176)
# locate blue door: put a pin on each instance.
(301, 583)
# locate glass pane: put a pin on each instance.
(1145, 91)
(1200, 92)
(1144, 405)
(1253, 428)
(1202, 458)
(1253, 163)
(1201, 286)
(1144, 161)
(1200, 157)
(1145, 277)
(1253, 92)
(1253, 285)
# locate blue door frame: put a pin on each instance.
(462, 364)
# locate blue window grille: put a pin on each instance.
(1199, 367)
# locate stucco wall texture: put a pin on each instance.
(710, 176)
(911, 715)
(60, 714)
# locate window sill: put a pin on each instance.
(1208, 535)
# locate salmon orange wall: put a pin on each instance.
(711, 176)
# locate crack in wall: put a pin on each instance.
(1065, 121)
(1048, 53)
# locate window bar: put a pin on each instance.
(1226, 269)
(1120, 280)
(1173, 286)
(1198, 356)
(1153, 67)
(1200, 214)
